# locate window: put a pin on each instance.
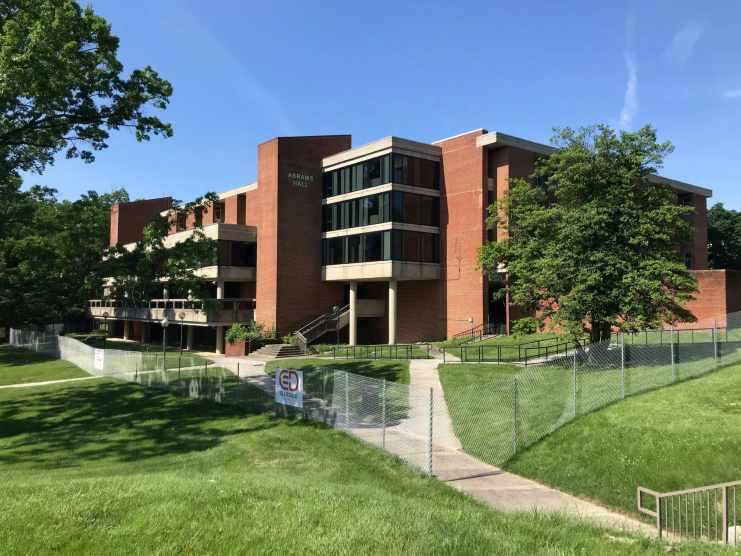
(397, 168)
(686, 201)
(688, 260)
(388, 245)
(390, 206)
(217, 213)
(181, 221)
(243, 254)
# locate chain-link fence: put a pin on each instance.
(471, 428)
(408, 422)
(495, 419)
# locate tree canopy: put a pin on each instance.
(137, 274)
(48, 251)
(62, 86)
(596, 246)
(724, 237)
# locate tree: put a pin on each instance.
(48, 251)
(61, 85)
(597, 246)
(724, 238)
(137, 274)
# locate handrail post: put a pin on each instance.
(724, 503)
(658, 515)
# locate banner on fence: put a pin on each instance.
(99, 359)
(289, 387)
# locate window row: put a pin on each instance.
(390, 206)
(390, 245)
(238, 253)
(389, 168)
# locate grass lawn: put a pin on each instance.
(507, 348)
(679, 437)
(112, 468)
(455, 375)
(19, 365)
(377, 353)
(393, 370)
(153, 357)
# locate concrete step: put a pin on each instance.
(279, 351)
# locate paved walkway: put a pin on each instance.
(27, 384)
(486, 483)
(498, 488)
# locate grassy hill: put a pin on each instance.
(679, 437)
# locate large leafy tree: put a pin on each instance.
(62, 86)
(597, 246)
(724, 237)
(62, 89)
(137, 273)
(48, 251)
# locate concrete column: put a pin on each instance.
(220, 330)
(353, 313)
(220, 289)
(127, 328)
(190, 343)
(392, 311)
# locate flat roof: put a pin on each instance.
(498, 139)
(356, 154)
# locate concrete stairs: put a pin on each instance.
(279, 351)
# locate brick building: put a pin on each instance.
(387, 232)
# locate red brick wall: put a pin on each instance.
(699, 221)
(128, 219)
(235, 208)
(463, 187)
(289, 286)
(712, 298)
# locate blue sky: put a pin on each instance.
(245, 72)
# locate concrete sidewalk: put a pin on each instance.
(27, 384)
(489, 484)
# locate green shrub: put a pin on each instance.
(289, 339)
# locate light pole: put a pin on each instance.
(181, 314)
(164, 322)
(105, 316)
(336, 310)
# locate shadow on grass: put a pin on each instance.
(69, 426)
(385, 369)
(19, 357)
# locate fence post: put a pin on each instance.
(429, 443)
(347, 404)
(715, 342)
(514, 412)
(575, 406)
(383, 416)
(238, 381)
(671, 335)
(179, 367)
(622, 359)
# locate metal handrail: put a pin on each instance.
(310, 332)
(667, 517)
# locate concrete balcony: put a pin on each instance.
(241, 311)
(381, 270)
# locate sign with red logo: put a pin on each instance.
(289, 387)
(99, 359)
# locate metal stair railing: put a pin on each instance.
(327, 322)
(477, 333)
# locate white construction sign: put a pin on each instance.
(99, 359)
(289, 387)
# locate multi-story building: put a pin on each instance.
(386, 232)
